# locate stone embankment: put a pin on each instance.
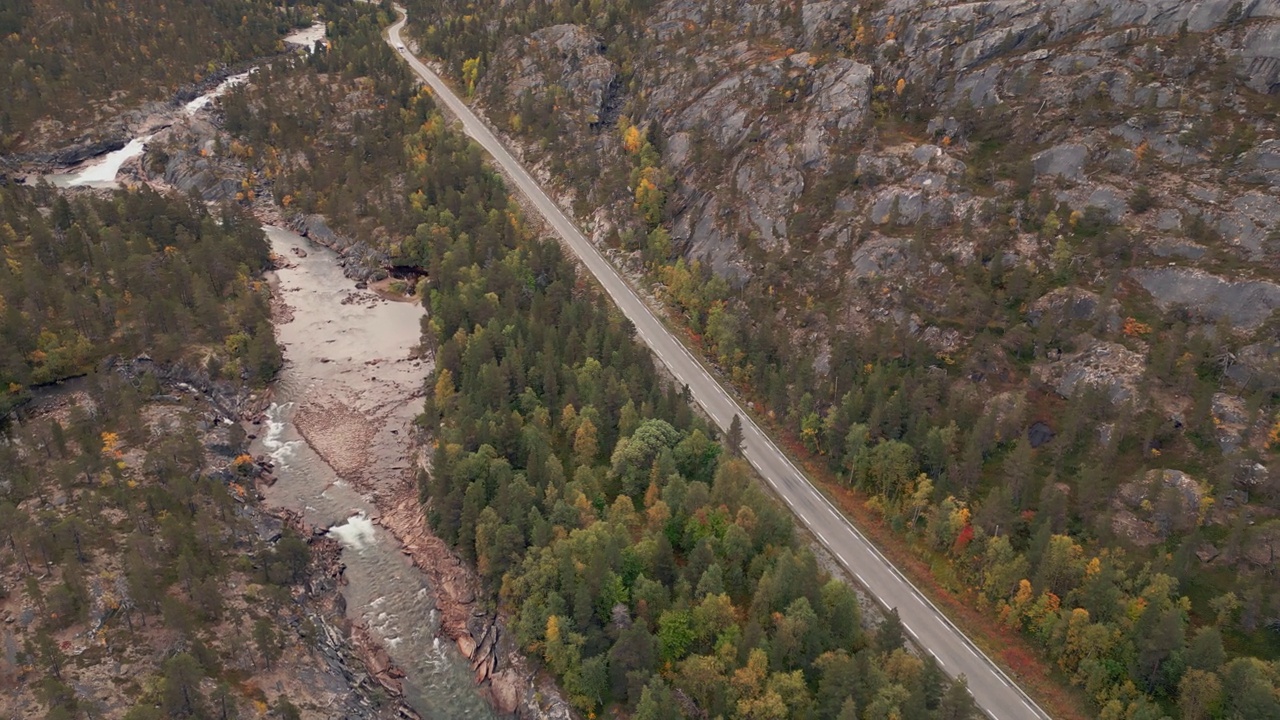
(480, 634)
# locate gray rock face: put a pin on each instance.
(768, 180)
(999, 34)
(1266, 156)
(1245, 304)
(360, 261)
(1070, 306)
(877, 256)
(1250, 219)
(1106, 365)
(900, 208)
(1169, 219)
(1064, 161)
(1259, 58)
(1264, 162)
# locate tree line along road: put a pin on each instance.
(994, 692)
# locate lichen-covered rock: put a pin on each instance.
(1161, 502)
(1256, 367)
(1108, 366)
(1067, 306)
(1230, 420)
(877, 256)
(1243, 303)
(1250, 219)
(1064, 161)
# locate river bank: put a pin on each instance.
(351, 389)
(323, 664)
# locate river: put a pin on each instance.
(352, 386)
(101, 172)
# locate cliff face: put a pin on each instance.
(764, 114)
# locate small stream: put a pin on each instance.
(101, 172)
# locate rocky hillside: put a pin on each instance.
(175, 597)
(1035, 242)
(139, 576)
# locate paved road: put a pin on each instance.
(994, 692)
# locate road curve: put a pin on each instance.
(994, 692)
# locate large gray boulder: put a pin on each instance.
(1064, 161)
(1245, 304)
(1107, 366)
(316, 228)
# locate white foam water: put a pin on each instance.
(203, 101)
(279, 450)
(356, 533)
(102, 172)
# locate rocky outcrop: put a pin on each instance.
(360, 261)
(876, 257)
(997, 35)
(1073, 307)
(1243, 303)
(1102, 365)
(563, 59)
(1161, 502)
(190, 165)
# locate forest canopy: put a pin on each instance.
(135, 272)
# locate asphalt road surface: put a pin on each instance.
(991, 688)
